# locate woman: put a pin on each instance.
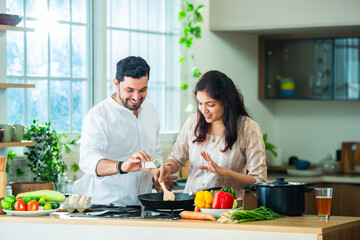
(221, 141)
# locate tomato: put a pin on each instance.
(32, 205)
(19, 198)
(20, 205)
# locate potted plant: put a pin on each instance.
(45, 159)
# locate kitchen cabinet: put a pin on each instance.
(345, 200)
(4, 85)
(309, 67)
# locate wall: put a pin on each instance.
(307, 129)
(275, 14)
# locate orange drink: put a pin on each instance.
(323, 205)
(323, 202)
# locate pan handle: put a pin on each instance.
(250, 187)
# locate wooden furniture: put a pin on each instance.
(14, 28)
(350, 156)
(304, 228)
(4, 86)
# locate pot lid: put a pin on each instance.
(279, 182)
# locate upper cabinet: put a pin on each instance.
(326, 68)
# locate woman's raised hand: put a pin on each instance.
(212, 166)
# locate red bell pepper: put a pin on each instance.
(223, 200)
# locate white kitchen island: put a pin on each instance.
(58, 226)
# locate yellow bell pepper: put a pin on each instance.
(204, 199)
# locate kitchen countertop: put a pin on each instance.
(350, 179)
(58, 226)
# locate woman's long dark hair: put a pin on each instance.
(220, 87)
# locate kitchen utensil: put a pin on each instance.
(285, 198)
(350, 156)
(20, 187)
(323, 202)
(155, 201)
(302, 164)
(2, 179)
(168, 195)
(9, 19)
(9, 130)
(18, 134)
(329, 165)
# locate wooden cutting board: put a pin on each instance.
(350, 156)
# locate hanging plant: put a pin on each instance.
(190, 18)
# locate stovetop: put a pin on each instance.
(131, 211)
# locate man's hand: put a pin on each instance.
(133, 164)
(169, 184)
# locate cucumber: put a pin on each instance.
(49, 195)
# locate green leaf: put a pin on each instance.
(190, 7)
(198, 17)
(181, 59)
(195, 72)
(7, 167)
(319, 60)
(11, 155)
(19, 172)
(75, 167)
(184, 86)
(187, 30)
(182, 40)
(199, 8)
(188, 42)
(197, 32)
(182, 15)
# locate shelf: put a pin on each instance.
(16, 85)
(14, 28)
(17, 144)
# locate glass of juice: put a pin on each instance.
(323, 202)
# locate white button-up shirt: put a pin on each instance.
(113, 132)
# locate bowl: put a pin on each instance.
(9, 19)
(302, 164)
(217, 212)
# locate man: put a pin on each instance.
(119, 134)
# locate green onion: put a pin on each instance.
(260, 213)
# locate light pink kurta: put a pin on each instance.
(247, 153)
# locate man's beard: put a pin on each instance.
(133, 107)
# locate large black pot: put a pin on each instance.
(286, 198)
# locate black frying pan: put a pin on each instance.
(155, 201)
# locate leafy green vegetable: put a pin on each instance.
(260, 213)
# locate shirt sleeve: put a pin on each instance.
(93, 142)
(255, 152)
(180, 151)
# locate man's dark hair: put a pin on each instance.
(220, 87)
(135, 67)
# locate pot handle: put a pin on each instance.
(309, 189)
(250, 187)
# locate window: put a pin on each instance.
(56, 57)
(148, 28)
